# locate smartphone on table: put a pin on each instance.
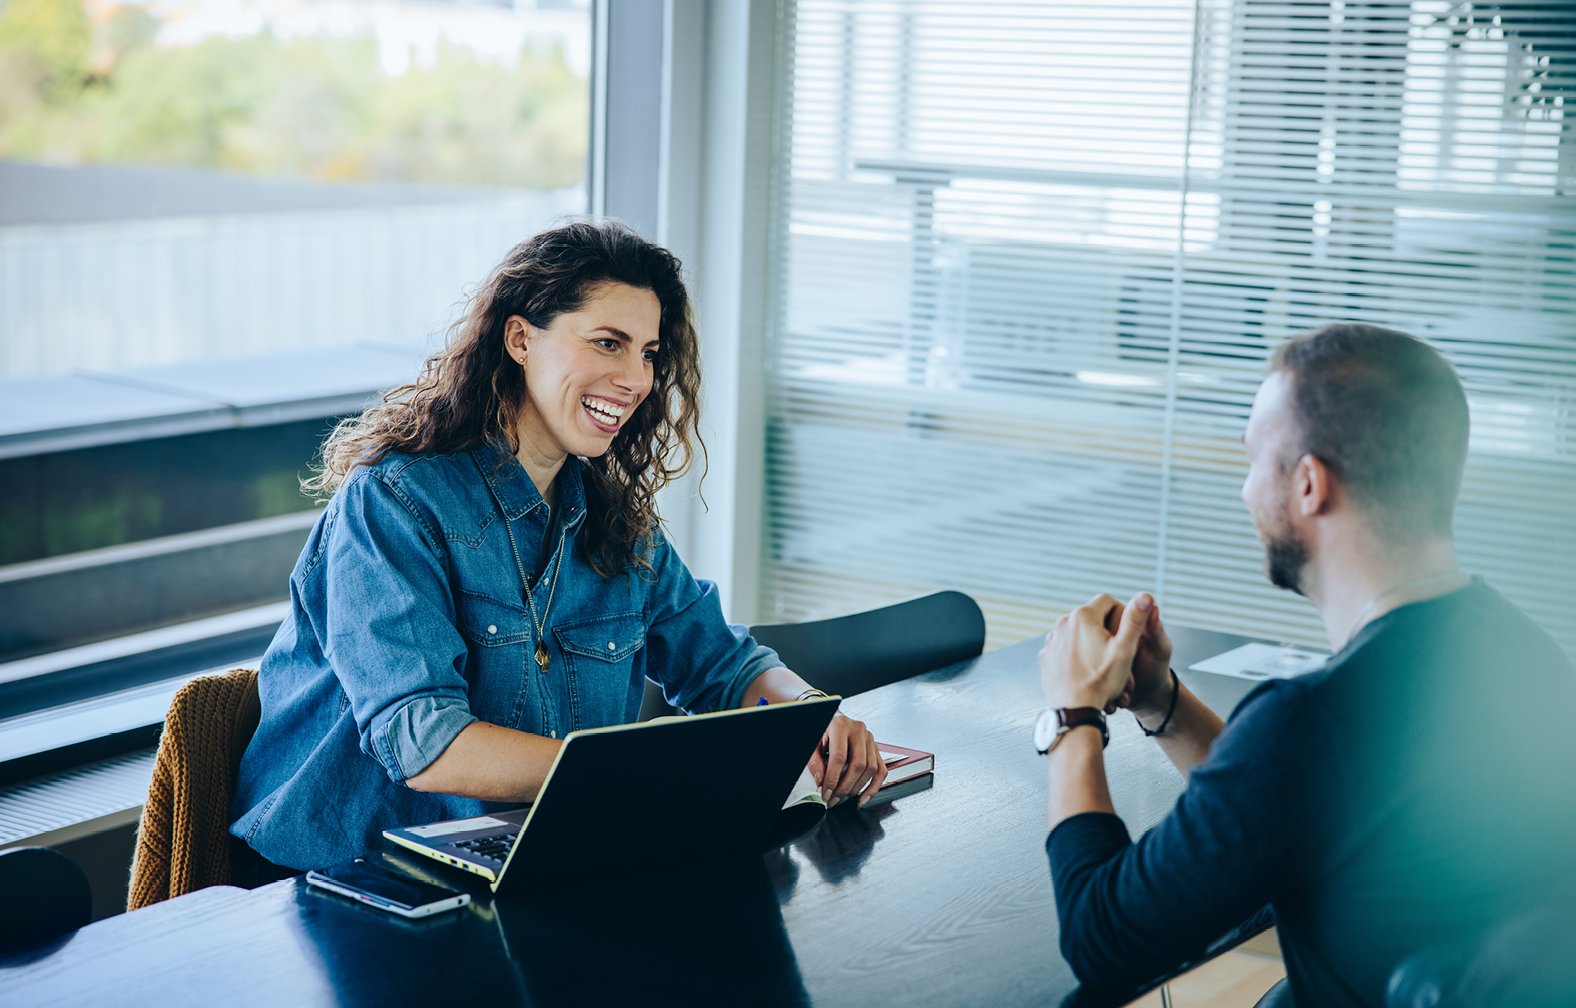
(379, 887)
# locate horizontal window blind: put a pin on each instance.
(1030, 259)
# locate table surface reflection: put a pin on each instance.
(941, 897)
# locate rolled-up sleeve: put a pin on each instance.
(702, 662)
(390, 630)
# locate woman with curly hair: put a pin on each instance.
(491, 574)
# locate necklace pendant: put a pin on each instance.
(542, 657)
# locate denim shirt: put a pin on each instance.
(408, 622)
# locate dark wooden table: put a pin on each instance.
(942, 897)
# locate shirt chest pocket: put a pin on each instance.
(491, 623)
(500, 639)
(599, 654)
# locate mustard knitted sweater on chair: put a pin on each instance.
(183, 842)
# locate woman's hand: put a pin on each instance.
(848, 762)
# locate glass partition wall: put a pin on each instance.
(1031, 258)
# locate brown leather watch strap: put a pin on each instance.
(1072, 717)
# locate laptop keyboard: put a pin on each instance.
(493, 847)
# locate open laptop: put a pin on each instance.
(656, 792)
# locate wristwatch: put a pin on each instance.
(1055, 722)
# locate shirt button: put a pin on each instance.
(611, 646)
(492, 629)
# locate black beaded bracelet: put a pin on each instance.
(1176, 691)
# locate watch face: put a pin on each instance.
(1045, 730)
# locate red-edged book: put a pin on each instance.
(903, 764)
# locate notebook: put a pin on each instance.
(904, 763)
(805, 806)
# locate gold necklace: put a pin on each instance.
(542, 655)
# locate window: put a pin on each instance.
(189, 180)
(1031, 259)
(222, 226)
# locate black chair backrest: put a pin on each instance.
(46, 895)
(846, 655)
(851, 654)
(1528, 961)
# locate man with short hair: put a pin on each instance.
(1410, 793)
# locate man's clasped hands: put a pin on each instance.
(1109, 656)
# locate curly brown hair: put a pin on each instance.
(471, 390)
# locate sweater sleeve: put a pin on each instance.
(1130, 912)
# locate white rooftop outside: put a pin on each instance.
(52, 413)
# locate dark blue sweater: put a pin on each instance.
(1413, 791)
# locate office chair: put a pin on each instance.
(183, 841)
(1278, 996)
(846, 655)
(46, 895)
(1527, 962)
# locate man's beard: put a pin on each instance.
(1285, 556)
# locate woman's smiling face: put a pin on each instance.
(586, 373)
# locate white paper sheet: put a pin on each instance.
(1262, 661)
